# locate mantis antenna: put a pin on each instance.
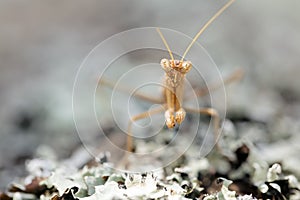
(206, 25)
(165, 42)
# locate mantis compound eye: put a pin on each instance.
(186, 66)
(165, 63)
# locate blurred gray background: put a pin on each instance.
(42, 44)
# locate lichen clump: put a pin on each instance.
(246, 179)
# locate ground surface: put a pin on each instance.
(43, 44)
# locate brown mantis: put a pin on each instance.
(172, 98)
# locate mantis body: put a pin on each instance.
(172, 98)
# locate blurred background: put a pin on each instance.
(42, 44)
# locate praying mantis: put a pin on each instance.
(172, 99)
